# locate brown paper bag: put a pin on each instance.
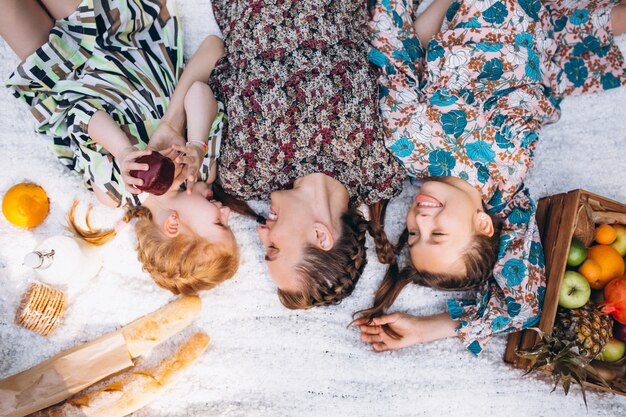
(71, 371)
(63, 375)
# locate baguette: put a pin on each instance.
(135, 390)
(145, 333)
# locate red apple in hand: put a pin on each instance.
(159, 176)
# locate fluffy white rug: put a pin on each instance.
(264, 360)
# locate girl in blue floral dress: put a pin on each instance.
(462, 114)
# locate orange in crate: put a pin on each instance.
(610, 262)
(25, 205)
(605, 234)
(591, 270)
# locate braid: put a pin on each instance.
(139, 212)
(100, 237)
(384, 249)
(393, 282)
(331, 276)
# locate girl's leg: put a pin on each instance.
(24, 25)
(428, 24)
(618, 19)
(60, 9)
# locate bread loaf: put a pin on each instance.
(133, 391)
(145, 333)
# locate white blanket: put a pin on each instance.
(265, 360)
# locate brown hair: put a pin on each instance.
(384, 249)
(183, 264)
(479, 261)
(330, 276)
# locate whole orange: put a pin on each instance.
(592, 271)
(25, 205)
(605, 234)
(610, 262)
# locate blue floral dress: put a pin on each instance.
(470, 105)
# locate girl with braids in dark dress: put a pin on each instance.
(304, 131)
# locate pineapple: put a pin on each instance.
(587, 326)
(577, 338)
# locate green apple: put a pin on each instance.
(575, 290)
(620, 241)
(577, 253)
(612, 351)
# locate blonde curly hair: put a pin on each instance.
(183, 264)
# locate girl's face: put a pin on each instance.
(442, 222)
(197, 213)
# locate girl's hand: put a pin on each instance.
(191, 156)
(126, 162)
(411, 330)
(164, 137)
(407, 326)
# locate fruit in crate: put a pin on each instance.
(605, 234)
(603, 264)
(159, 176)
(620, 241)
(575, 290)
(615, 299)
(579, 335)
(577, 253)
(588, 327)
(613, 351)
(25, 205)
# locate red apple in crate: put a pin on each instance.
(575, 290)
(619, 331)
(613, 351)
(615, 299)
(159, 176)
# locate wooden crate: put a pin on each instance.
(556, 217)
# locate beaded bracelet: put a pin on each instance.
(204, 145)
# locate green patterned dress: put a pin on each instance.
(123, 57)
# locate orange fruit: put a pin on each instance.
(25, 205)
(605, 234)
(610, 262)
(592, 271)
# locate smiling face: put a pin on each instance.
(306, 216)
(442, 222)
(287, 231)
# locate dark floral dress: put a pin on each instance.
(301, 98)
